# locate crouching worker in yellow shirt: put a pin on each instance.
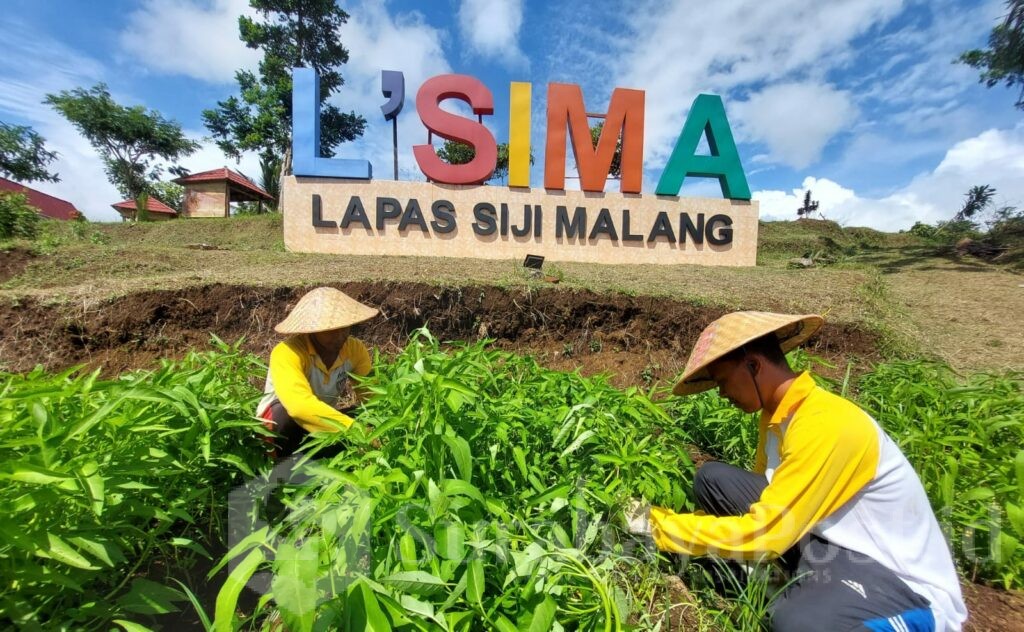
(308, 384)
(830, 494)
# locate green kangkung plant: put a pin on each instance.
(483, 497)
(965, 438)
(477, 490)
(101, 477)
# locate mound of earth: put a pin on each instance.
(992, 609)
(638, 340)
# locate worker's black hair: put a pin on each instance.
(766, 346)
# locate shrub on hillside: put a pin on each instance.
(1000, 239)
(924, 231)
(1007, 232)
(945, 235)
(17, 218)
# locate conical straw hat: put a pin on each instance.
(323, 309)
(731, 332)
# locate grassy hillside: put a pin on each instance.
(781, 241)
(777, 241)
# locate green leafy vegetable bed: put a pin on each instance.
(487, 503)
(100, 477)
(486, 493)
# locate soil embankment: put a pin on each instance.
(639, 340)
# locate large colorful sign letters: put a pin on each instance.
(335, 205)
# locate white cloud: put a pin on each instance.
(994, 157)
(209, 156)
(895, 212)
(33, 66)
(83, 181)
(996, 152)
(679, 51)
(380, 41)
(189, 37)
(795, 120)
(919, 76)
(492, 29)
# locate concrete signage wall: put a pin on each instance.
(334, 205)
(386, 217)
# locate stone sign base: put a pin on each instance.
(385, 217)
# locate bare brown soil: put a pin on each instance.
(13, 262)
(681, 608)
(638, 340)
(993, 610)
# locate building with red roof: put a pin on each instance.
(157, 210)
(47, 205)
(210, 193)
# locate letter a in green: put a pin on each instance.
(707, 116)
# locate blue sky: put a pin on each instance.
(858, 100)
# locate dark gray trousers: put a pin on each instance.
(836, 589)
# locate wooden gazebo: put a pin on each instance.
(210, 193)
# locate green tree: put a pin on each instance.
(23, 154)
(291, 33)
(17, 217)
(170, 193)
(128, 139)
(1003, 60)
(456, 153)
(270, 178)
(142, 207)
(615, 170)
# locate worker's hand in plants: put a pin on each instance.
(368, 431)
(638, 517)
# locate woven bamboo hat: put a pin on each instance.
(732, 331)
(323, 309)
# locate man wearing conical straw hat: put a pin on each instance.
(308, 382)
(831, 495)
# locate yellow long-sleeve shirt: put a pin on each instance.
(827, 451)
(307, 388)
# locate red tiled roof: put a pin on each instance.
(153, 206)
(48, 205)
(216, 175)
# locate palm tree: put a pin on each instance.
(978, 199)
(809, 206)
(270, 177)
